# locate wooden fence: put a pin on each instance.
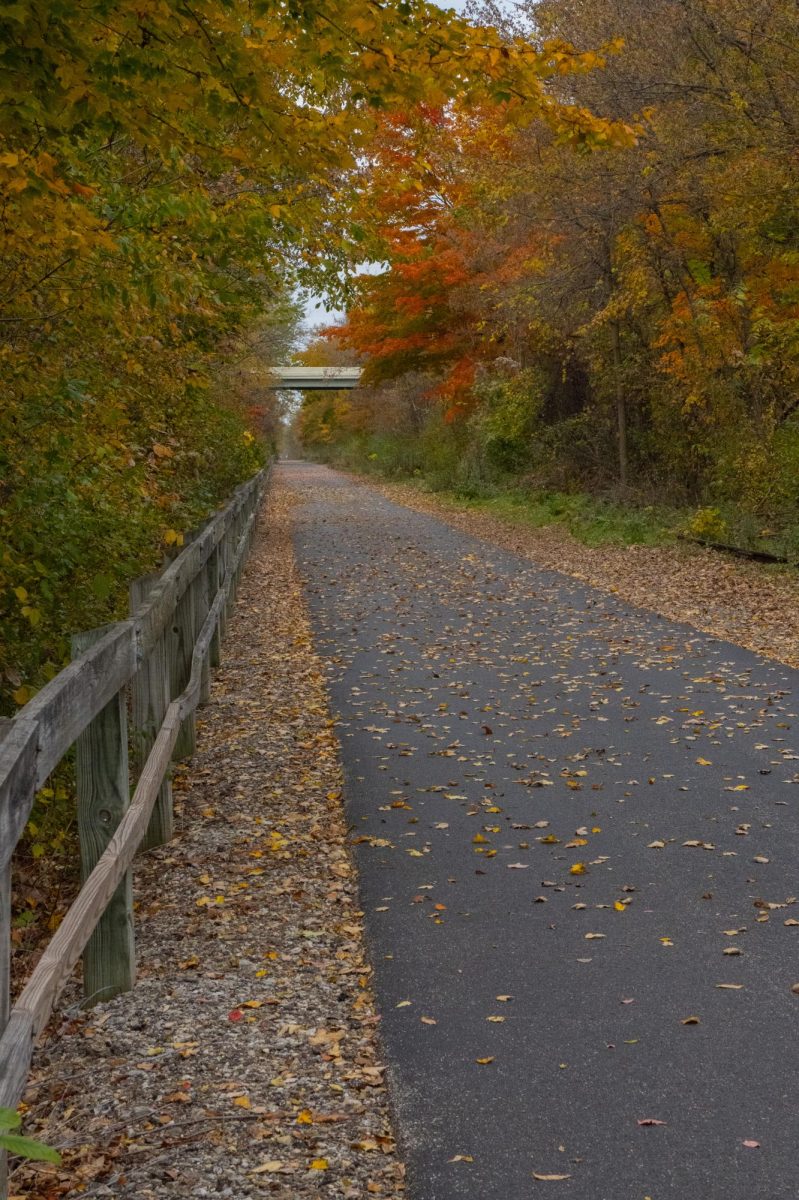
(157, 666)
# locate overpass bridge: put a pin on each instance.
(314, 378)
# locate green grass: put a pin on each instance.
(591, 520)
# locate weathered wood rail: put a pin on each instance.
(157, 663)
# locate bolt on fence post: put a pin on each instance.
(109, 960)
(149, 702)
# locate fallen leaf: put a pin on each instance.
(549, 1178)
(495, 1020)
(656, 846)
(461, 1158)
(590, 937)
(484, 1061)
(650, 1121)
(750, 1144)
(273, 1165)
(319, 1164)
(690, 1021)
(428, 1021)
(578, 868)
(738, 987)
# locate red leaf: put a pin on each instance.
(235, 1014)
(650, 1121)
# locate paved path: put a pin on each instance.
(491, 716)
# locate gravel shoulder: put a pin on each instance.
(246, 1061)
(746, 603)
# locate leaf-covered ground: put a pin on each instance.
(744, 602)
(245, 1063)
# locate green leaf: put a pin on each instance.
(9, 1119)
(29, 1148)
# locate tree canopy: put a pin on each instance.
(621, 318)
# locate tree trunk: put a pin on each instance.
(621, 407)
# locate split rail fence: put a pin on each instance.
(156, 665)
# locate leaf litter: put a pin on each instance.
(248, 1050)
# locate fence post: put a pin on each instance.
(149, 702)
(109, 960)
(216, 576)
(182, 647)
(204, 598)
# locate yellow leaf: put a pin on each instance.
(242, 1101)
(485, 1061)
(619, 906)
(305, 1117)
(319, 1164)
(577, 869)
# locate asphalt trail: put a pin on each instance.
(479, 698)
